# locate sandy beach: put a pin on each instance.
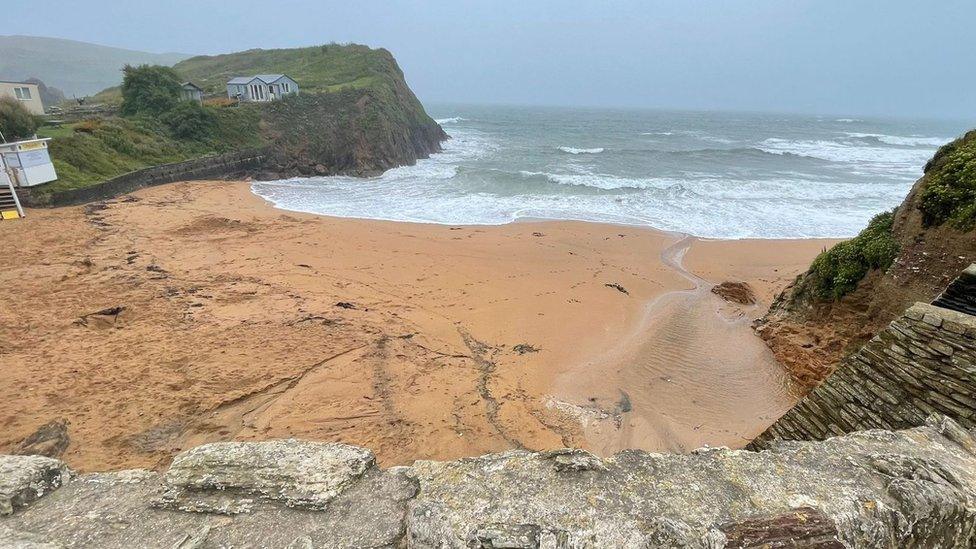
(197, 312)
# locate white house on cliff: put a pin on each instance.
(261, 87)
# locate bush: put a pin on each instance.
(88, 126)
(16, 122)
(190, 120)
(838, 271)
(149, 89)
(950, 195)
(220, 102)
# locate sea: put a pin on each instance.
(726, 175)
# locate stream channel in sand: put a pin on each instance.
(686, 376)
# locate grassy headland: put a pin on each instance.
(355, 115)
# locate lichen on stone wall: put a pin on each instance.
(913, 488)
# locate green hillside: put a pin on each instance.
(77, 68)
(355, 115)
(318, 68)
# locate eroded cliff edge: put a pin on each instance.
(904, 257)
(913, 488)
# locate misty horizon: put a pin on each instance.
(820, 58)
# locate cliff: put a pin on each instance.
(852, 293)
(912, 488)
(356, 114)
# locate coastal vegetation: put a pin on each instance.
(16, 122)
(837, 271)
(950, 196)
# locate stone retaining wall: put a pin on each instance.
(208, 167)
(924, 362)
(961, 294)
(913, 488)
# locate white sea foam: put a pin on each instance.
(452, 120)
(657, 133)
(487, 176)
(573, 150)
(836, 151)
(910, 141)
(848, 120)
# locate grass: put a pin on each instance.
(316, 69)
(950, 193)
(65, 130)
(837, 271)
(93, 151)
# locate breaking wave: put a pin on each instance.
(740, 177)
(573, 150)
(911, 141)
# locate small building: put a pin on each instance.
(261, 87)
(191, 92)
(25, 92)
(27, 163)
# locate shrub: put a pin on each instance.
(149, 89)
(837, 271)
(190, 120)
(88, 126)
(16, 122)
(950, 195)
(219, 102)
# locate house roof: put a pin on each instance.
(18, 82)
(241, 80)
(266, 78)
(191, 85)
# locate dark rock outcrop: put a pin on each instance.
(735, 292)
(913, 488)
(49, 440)
(359, 132)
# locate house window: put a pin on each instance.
(23, 93)
(286, 86)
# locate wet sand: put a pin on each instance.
(240, 321)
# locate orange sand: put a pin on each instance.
(245, 322)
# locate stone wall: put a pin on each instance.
(914, 488)
(961, 294)
(208, 167)
(923, 363)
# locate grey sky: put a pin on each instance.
(898, 57)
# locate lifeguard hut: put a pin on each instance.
(22, 164)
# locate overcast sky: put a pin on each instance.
(896, 57)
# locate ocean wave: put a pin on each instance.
(848, 120)
(573, 150)
(911, 141)
(836, 151)
(657, 133)
(452, 120)
(601, 181)
(712, 188)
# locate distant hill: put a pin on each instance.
(76, 68)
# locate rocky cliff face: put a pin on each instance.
(915, 488)
(355, 132)
(810, 335)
